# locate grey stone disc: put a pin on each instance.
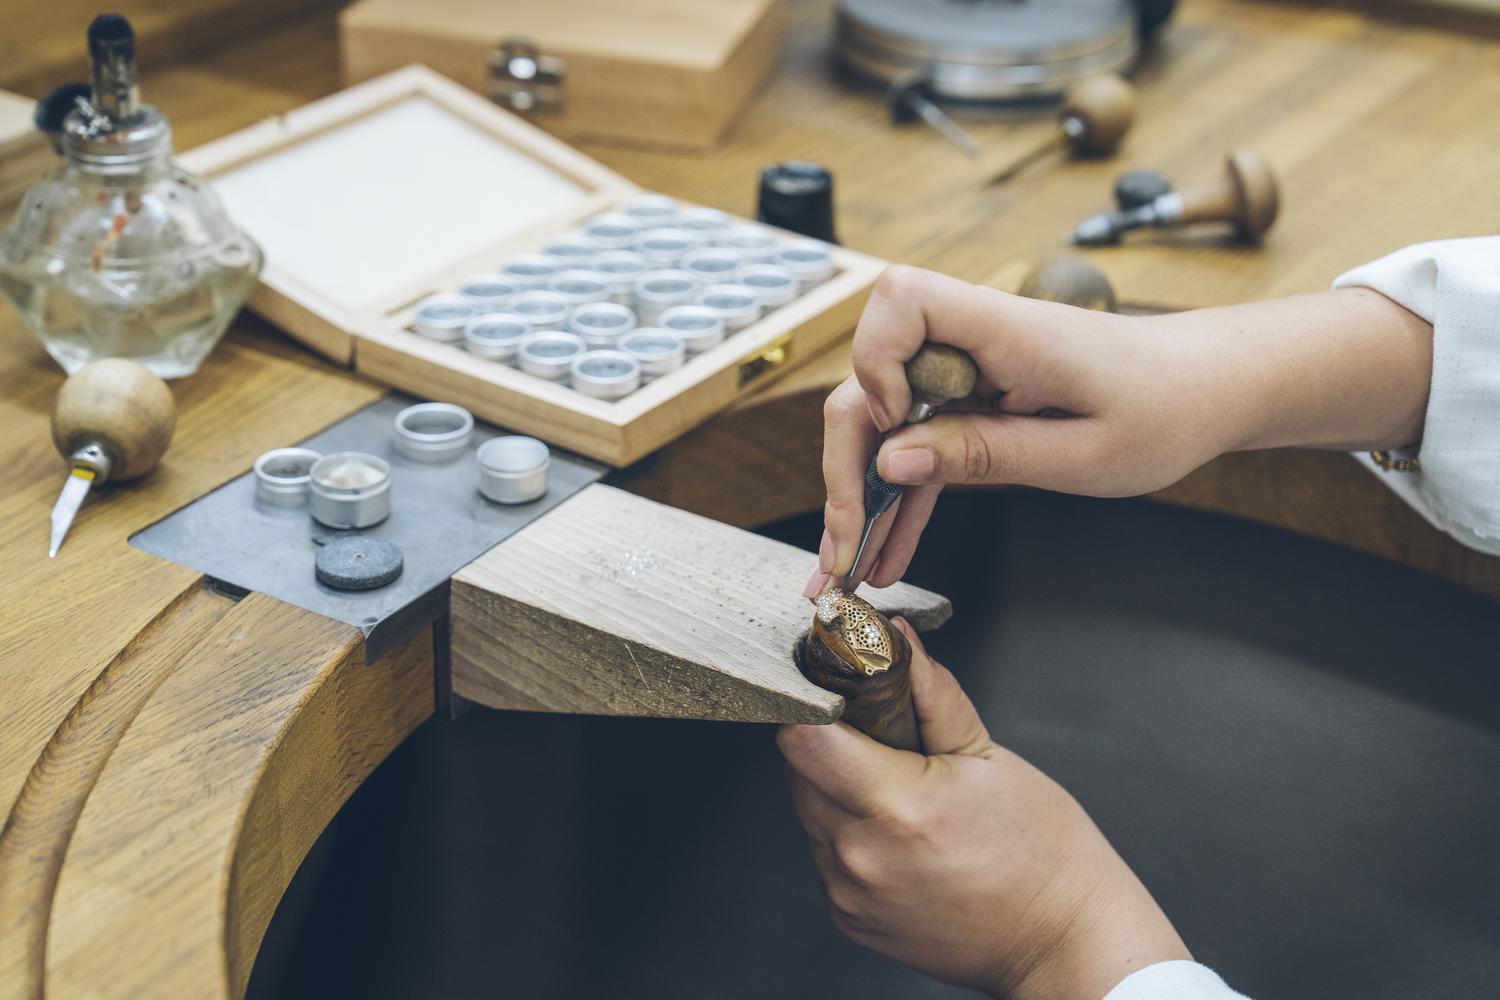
(358, 563)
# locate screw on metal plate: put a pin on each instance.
(525, 80)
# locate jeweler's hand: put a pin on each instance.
(968, 864)
(1099, 404)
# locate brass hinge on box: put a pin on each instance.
(523, 79)
(773, 355)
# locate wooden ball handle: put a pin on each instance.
(1072, 281)
(1245, 194)
(1096, 113)
(939, 374)
(120, 406)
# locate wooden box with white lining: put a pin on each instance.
(371, 199)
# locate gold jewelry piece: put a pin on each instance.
(1389, 464)
(862, 628)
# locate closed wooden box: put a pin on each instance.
(665, 72)
(370, 200)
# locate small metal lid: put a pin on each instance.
(606, 374)
(496, 335)
(657, 351)
(542, 308)
(350, 489)
(774, 286)
(489, 291)
(712, 264)
(513, 469)
(549, 354)
(531, 270)
(651, 209)
(571, 250)
(433, 432)
(601, 324)
(580, 286)
(754, 243)
(612, 230)
(282, 476)
(699, 327)
(810, 260)
(665, 287)
(738, 305)
(708, 224)
(666, 245)
(443, 317)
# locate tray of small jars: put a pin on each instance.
(443, 246)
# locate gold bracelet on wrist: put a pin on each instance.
(1389, 464)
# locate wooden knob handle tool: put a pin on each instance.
(1095, 114)
(113, 421)
(1072, 281)
(1245, 195)
(937, 374)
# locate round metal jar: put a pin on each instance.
(606, 374)
(621, 267)
(612, 231)
(550, 354)
(530, 270)
(571, 251)
(658, 291)
(774, 286)
(651, 209)
(699, 327)
(657, 351)
(433, 432)
(708, 224)
(601, 324)
(810, 260)
(513, 469)
(755, 243)
(497, 335)
(443, 317)
(737, 305)
(712, 265)
(490, 292)
(580, 287)
(350, 489)
(542, 308)
(665, 247)
(281, 476)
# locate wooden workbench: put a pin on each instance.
(167, 755)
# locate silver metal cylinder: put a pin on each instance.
(490, 292)
(601, 324)
(350, 489)
(621, 267)
(699, 327)
(281, 476)
(513, 469)
(658, 291)
(810, 260)
(606, 374)
(580, 286)
(657, 351)
(443, 317)
(665, 247)
(774, 286)
(570, 251)
(497, 336)
(531, 270)
(433, 432)
(755, 243)
(651, 209)
(612, 230)
(737, 305)
(711, 265)
(542, 308)
(549, 354)
(708, 224)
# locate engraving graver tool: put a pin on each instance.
(938, 374)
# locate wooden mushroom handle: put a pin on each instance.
(1072, 281)
(1245, 194)
(1105, 106)
(939, 374)
(120, 406)
(878, 705)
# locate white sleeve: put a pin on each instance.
(1177, 980)
(1455, 286)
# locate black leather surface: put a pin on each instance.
(1297, 747)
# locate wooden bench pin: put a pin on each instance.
(1243, 195)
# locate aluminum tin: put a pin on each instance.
(601, 324)
(281, 476)
(341, 500)
(549, 354)
(606, 374)
(513, 469)
(433, 432)
(986, 51)
(666, 246)
(443, 317)
(531, 270)
(651, 209)
(622, 267)
(657, 351)
(708, 224)
(755, 243)
(658, 291)
(712, 265)
(580, 287)
(497, 335)
(699, 327)
(737, 305)
(810, 260)
(612, 231)
(774, 286)
(571, 250)
(491, 292)
(542, 308)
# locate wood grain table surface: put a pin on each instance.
(167, 755)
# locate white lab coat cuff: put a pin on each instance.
(1179, 980)
(1455, 286)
